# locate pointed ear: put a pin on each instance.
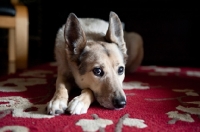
(74, 36)
(115, 32)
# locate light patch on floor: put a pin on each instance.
(135, 85)
(194, 102)
(182, 90)
(191, 93)
(19, 105)
(191, 110)
(12, 89)
(20, 84)
(93, 125)
(178, 116)
(161, 69)
(193, 73)
(167, 69)
(188, 92)
(14, 129)
(157, 74)
(132, 122)
(36, 73)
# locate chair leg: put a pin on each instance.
(21, 37)
(11, 51)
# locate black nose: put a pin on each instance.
(119, 102)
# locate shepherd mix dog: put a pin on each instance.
(92, 54)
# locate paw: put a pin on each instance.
(57, 106)
(78, 106)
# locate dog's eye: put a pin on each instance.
(98, 72)
(121, 70)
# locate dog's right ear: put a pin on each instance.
(74, 35)
(115, 32)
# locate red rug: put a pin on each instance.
(158, 99)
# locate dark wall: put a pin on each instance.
(170, 34)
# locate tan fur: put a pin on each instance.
(92, 54)
(134, 43)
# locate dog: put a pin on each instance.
(92, 54)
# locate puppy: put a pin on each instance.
(92, 54)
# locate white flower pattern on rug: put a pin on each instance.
(188, 92)
(18, 105)
(99, 124)
(193, 73)
(93, 125)
(36, 73)
(132, 122)
(175, 115)
(14, 128)
(135, 85)
(20, 84)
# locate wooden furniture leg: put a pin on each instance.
(11, 51)
(21, 36)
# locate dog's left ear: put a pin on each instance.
(115, 32)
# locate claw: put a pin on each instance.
(56, 107)
(59, 112)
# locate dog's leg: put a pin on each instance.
(81, 103)
(58, 103)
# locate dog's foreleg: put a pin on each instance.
(81, 103)
(58, 103)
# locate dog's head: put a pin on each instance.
(98, 65)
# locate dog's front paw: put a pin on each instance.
(78, 105)
(57, 106)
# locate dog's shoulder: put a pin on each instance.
(94, 25)
(60, 36)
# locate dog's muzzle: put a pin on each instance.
(119, 103)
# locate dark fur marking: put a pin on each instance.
(83, 68)
(82, 64)
(125, 58)
(106, 50)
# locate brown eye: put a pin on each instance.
(120, 70)
(98, 72)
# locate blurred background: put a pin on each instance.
(170, 35)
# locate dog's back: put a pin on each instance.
(93, 26)
(94, 29)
